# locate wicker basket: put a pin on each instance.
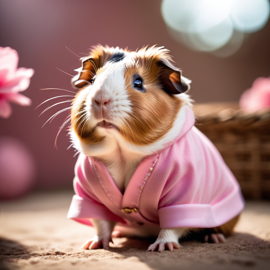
(243, 140)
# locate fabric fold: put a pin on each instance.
(82, 209)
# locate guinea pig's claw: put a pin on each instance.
(96, 243)
(161, 246)
(87, 244)
(215, 238)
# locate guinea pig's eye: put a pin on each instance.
(138, 83)
(93, 79)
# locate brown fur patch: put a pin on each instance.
(153, 111)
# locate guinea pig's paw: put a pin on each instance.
(97, 242)
(214, 238)
(162, 244)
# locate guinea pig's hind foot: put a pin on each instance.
(214, 238)
(97, 242)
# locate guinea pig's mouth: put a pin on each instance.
(107, 125)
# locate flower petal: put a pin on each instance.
(5, 109)
(27, 72)
(19, 99)
(3, 76)
(8, 60)
(19, 82)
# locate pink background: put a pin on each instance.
(40, 30)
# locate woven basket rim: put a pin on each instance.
(231, 114)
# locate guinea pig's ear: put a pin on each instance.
(99, 55)
(86, 72)
(171, 79)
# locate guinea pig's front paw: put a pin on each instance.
(97, 242)
(167, 238)
(162, 244)
(214, 238)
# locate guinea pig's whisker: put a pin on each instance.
(83, 54)
(79, 119)
(81, 116)
(79, 113)
(72, 52)
(60, 129)
(52, 99)
(59, 112)
(58, 103)
(82, 122)
(85, 123)
(65, 72)
(56, 114)
(88, 71)
(59, 89)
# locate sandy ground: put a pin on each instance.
(35, 234)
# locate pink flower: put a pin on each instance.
(12, 81)
(257, 97)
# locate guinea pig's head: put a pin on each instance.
(129, 98)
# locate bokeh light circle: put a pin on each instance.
(213, 38)
(250, 15)
(208, 25)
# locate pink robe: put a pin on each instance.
(187, 184)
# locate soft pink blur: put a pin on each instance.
(12, 81)
(17, 167)
(257, 97)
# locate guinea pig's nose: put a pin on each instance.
(101, 101)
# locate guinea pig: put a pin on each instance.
(142, 164)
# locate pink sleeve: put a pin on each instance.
(201, 215)
(85, 205)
